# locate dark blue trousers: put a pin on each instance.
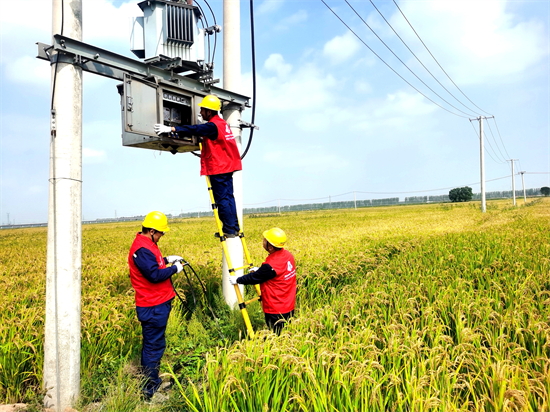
(222, 188)
(153, 326)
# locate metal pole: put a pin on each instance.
(513, 183)
(61, 376)
(482, 165)
(523, 185)
(232, 115)
(354, 200)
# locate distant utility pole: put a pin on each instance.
(482, 161)
(523, 185)
(279, 205)
(354, 200)
(8, 219)
(513, 182)
(61, 374)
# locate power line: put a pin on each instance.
(391, 68)
(402, 62)
(449, 77)
(495, 140)
(489, 143)
(495, 120)
(419, 61)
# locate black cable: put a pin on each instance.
(215, 32)
(487, 151)
(253, 78)
(506, 151)
(495, 140)
(207, 25)
(391, 68)
(402, 62)
(416, 57)
(449, 77)
(57, 55)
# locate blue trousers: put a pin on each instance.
(153, 326)
(222, 188)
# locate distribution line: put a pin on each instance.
(506, 151)
(495, 140)
(391, 68)
(419, 61)
(489, 143)
(449, 77)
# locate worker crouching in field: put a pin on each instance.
(277, 279)
(153, 294)
(219, 158)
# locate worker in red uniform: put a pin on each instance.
(219, 158)
(277, 279)
(153, 293)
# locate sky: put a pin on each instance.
(333, 118)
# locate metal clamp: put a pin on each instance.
(246, 125)
(213, 29)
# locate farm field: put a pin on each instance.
(416, 308)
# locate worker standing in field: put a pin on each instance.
(219, 158)
(277, 279)
(153, 293)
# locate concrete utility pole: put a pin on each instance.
(482, 162)
(63, 275)
(354, 200)
(232, 115)
(523, 185)
(513, 182)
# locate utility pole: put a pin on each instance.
(482, 161)
(523, 185)
(279, 205)
(513, 182)
(232, 115)
(61, 375)
(8, 219)
(354, 200)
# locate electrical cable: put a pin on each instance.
(489, 145)
(253, 78)
(391, 68)
(194, 299)
(215, 32)
(506, 151)
(402, 62)
(495, 140)
(449, 77)
(419, 61)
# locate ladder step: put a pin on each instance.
(252, 300)
(242, 267)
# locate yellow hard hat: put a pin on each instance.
(211, 102)
(156, 220)
(275, 236)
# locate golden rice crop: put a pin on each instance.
(416, 308)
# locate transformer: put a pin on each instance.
(168, 30)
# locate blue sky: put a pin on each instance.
(333, 118)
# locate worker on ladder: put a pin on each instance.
(277, 279)
(219, 159)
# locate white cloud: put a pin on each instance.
(276, 63)
(269, 6)
(341, 48)
(490, 46)
(93, 156)
(299, 17)
(31, 71)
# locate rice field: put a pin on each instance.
(417, 308)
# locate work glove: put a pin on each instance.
(179, 265)
(233, 279)
(160, 128)
(173, 258)
(252, 270)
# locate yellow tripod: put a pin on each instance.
(232, 270)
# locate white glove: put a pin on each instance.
(160, 128)
(252, 270)
(179, 265)
(233, 279)
(173, 258)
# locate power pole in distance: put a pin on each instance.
(482, 161)
(523, 185)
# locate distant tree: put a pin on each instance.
(545, 191)
(461, 194)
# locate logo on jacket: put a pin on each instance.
(289, 266)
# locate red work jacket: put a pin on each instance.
(221, 155)
(147, 293)
(279, 293)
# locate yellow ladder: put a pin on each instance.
(232, 270)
